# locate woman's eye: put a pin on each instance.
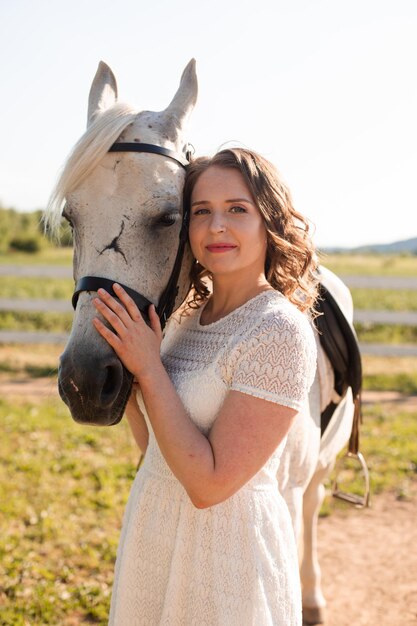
(201, 212)
(238, 209)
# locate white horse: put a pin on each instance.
(126, 212)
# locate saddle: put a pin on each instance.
(339, 342)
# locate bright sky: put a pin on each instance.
(326, 89)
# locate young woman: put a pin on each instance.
(207, 539)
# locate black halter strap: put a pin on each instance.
(152, 149)
(94, 283)
(168, 297)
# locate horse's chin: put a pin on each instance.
(85, 410)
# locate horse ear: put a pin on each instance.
(103, 92)
(184, 100)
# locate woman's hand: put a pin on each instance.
(136, 345)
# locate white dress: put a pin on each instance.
(235, 563)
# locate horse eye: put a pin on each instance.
(168, 219)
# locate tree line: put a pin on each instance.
(24, 232)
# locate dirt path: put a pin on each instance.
(27, 389)
(369, 564)
(368, 557)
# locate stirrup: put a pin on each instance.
(358, 501)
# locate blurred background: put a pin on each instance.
(327, 90)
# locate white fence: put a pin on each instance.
(408, 318)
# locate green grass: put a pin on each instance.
(33, 371)
(368, 265)
(62, 289)
(63, 488)
(388, 441)
(31, 321)
(403, 382)
(47, 256)
(61, 322)
(39, 288)
(384, 333)
(384, 299)
(371, 265)
(34, 360)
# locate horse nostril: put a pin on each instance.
(113, 379)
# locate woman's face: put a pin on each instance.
(227, 232)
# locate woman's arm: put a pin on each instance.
(136, 420)
(246, 432)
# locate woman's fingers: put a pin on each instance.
(136, 345)
(155, 321)
(114, 305)
(109, 315)
(108, 335)
(128, 302)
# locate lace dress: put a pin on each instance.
(235, 563)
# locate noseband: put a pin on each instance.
(168, 297)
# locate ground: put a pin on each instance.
(369, 562)
(368, 557)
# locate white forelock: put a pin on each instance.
(85, 156)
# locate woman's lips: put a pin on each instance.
(220, 247)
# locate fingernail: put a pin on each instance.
(117, 287)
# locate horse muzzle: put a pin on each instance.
(95, 387)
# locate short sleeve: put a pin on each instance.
(277, 361)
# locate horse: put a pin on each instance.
(121, 192)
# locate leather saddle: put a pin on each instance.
(339, 341)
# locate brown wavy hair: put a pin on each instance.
(291, 261)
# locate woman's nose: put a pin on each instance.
(217, 223)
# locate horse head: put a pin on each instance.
(125, 209)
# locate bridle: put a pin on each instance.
(167, 301)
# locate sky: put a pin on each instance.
(325, 89)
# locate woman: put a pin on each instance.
(207, 539)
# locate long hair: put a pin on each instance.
(85, 156)
(291, 262)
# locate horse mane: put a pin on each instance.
(85, 156)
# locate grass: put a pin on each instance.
(371, 265)
(404, 382)
(32, 321)
(360, 264)
(388, 442)
(393, 365)
(385, 333)
(39, 288)
(388, 436)
(61, 322)
(384, 299)
(390, 374)
(49, 288)
(24, 359)
(63, 489)
(61, 289)
(47, 256)
(33, 371)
